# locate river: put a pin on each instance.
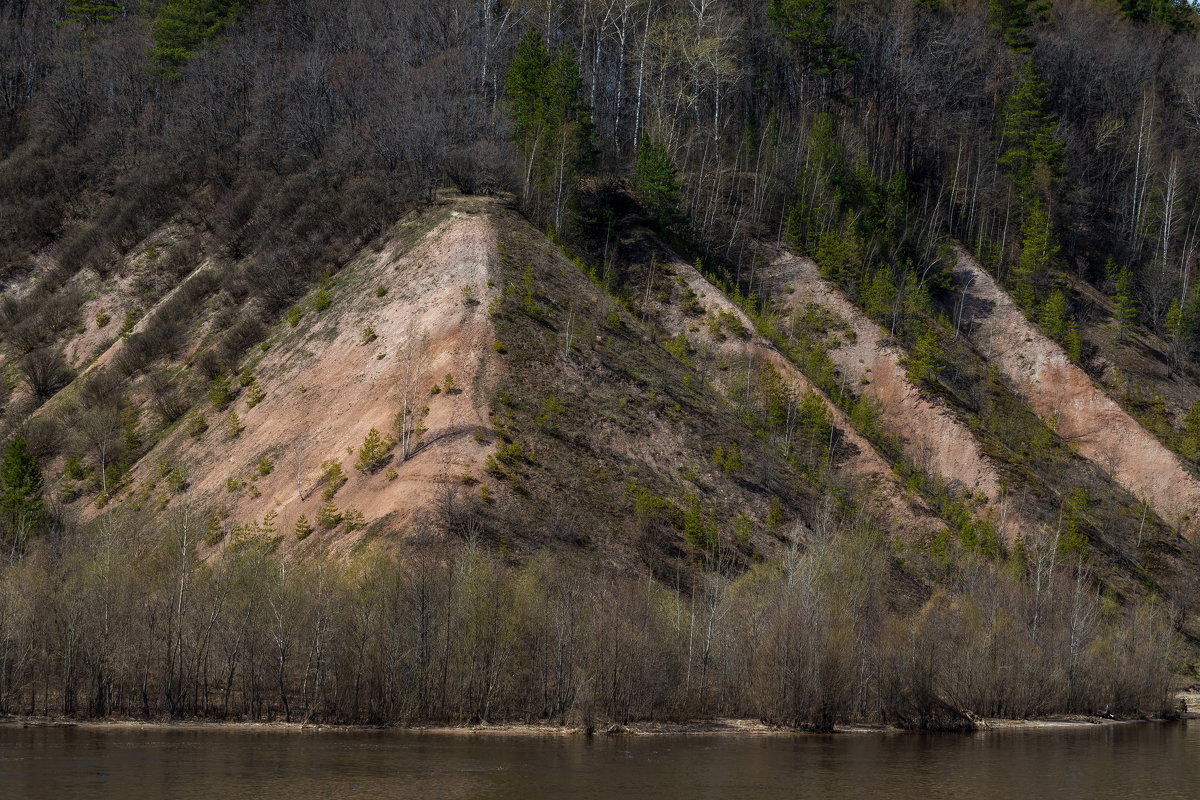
(1112, 761)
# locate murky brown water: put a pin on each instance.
(1152, 760)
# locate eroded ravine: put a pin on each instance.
(906, 514)
(1063, 395)
(931, 436)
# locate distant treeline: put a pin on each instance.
(103, 626)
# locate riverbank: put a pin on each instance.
(730, 727)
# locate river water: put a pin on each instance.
(1142, 760)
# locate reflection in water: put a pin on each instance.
(1152, 760)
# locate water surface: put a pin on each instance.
(1150, 760)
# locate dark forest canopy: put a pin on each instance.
(115, 116)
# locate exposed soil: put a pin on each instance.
(1063, 395)
(326, 387)
(929, 433)
(906, 514)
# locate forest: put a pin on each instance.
(1056, 141)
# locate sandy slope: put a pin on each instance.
(906, 514)
(325, 389)
(929, 433)
(1060, 392)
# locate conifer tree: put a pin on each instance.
(1039, 249)
(552, 126)
(1033, 153)
(1010, 18)
(21, 505)
(655, 184)
(184, 26)
(1126, 311)
(89, 12)
(807, 27)
(1191, 432)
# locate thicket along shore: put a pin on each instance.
(441, 633)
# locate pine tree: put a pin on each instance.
(1033, 153)
(1126, 310)
(184, 26)
(89, 12)
(1039, 249)
(807, 27)
(552, 126)
(926, 359)
(655, 185)
(1010, 18)
(1191, 432)
(21, 507)
(1053, 316)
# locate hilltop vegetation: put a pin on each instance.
(675, 295)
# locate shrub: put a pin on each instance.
(102, 318)
(380, 291)
(245, 377)
(448, 384)
(255, 395)
(375, 452)
(234, 427)
(499, 347)
(293, 316)
(196, 424)
(368, 335)
(265, 465)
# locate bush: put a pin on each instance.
(196, 424)
(293, 316)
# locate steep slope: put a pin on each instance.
(854, 456)
(931, 436)
(397, 325)
(1063, 394)
(541, 412)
